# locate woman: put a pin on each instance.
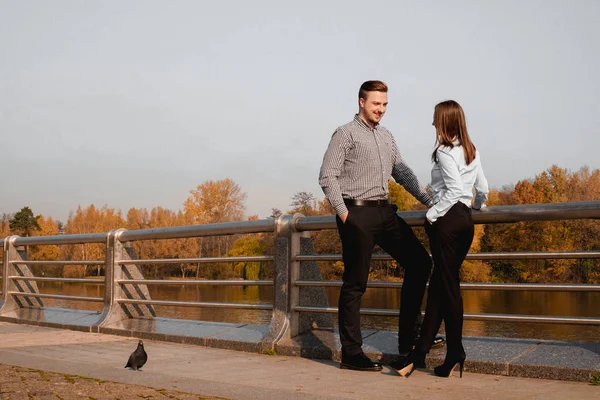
(456, 171)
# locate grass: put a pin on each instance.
(87, 378)
(595, 379)
(271, 352)
(165, 394)
(43, 376)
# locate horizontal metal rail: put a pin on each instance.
(56, 296)
(204, 260)
(523, 255)
(240, 306)
(58, 262)
(237, 282)
(471, 316)
(533, 287)
(62, 239)
(64, 280)
(491, 215)
(219, 229)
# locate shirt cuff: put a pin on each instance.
(430, 215)
(427, 200)
(341, 208)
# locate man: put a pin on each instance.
(361, 157)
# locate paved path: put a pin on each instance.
(239, 375)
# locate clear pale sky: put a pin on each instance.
(134, 103)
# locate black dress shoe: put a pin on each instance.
(360, 362)
(438, 341)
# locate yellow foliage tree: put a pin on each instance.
(400, 197)
(554, 185)
(214, 202)
(90, 220)
(48, 227)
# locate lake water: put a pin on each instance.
(475, 301)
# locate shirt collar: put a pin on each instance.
(364, 124)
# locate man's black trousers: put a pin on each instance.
(365, 227)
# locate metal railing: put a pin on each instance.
(126, 288)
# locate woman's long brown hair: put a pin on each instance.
(450, 125)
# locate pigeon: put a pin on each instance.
(138, 358)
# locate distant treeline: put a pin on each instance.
(223, 201)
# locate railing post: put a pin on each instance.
(4, 269)
(12, 253)
(311, 296)
(114, 311)
(294, 275)
(111, 312)
(284, 324)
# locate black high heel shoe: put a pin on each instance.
(447, 367)
(407, 366)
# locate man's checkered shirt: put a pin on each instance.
(359, 163)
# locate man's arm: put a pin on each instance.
(331, 169)
(405, 176)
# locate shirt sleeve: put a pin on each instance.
(331, 168)
(481, 187)
(405, 176)
(453, 183)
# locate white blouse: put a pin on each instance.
(452, 180)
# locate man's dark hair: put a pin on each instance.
(371, 86)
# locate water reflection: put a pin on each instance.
(475, 301)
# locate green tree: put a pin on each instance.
(249, 245)
(24, 223)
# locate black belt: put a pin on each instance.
(366, 203)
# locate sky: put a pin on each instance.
(135, 103)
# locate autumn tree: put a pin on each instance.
(275, 213)
(554, 185)
(5, 224)
(48, 227)
(304, 203)
(160, 217)
(400, 197)
(214, 202)
(89, 220)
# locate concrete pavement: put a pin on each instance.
(240, 375)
